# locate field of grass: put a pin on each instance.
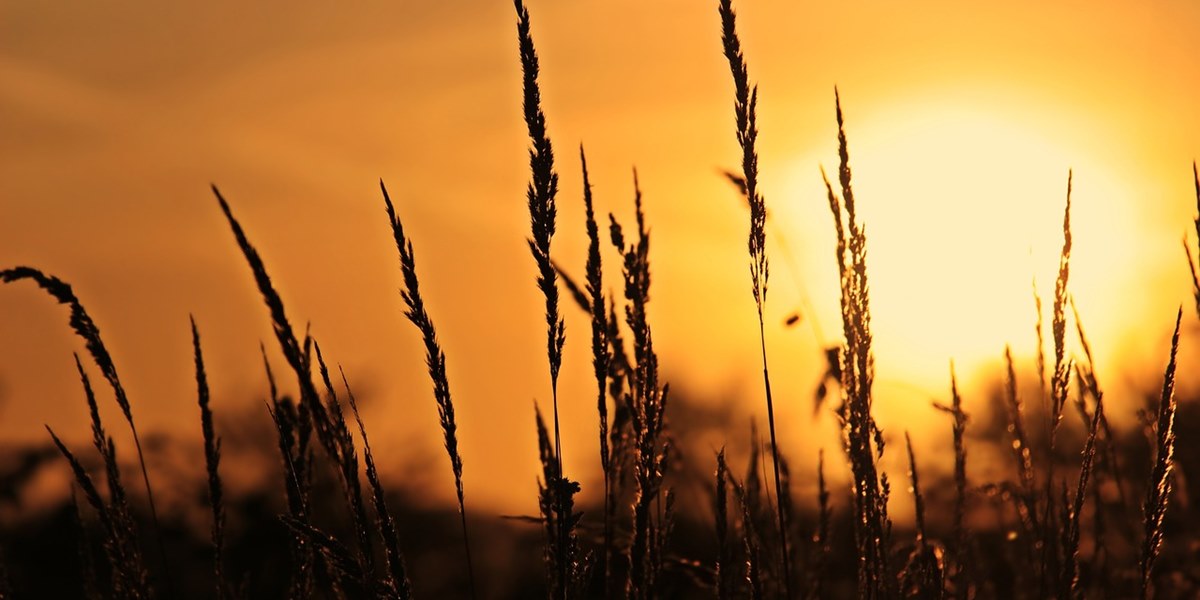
(1090, 509)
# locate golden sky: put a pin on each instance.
(963, 120)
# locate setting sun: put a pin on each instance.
(964, 211)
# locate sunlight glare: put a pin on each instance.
(963, 210)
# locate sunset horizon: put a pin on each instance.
(968, 131)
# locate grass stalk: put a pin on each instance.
(647, 402)
(821, 542)
(1108, 460)
(284, 416)
(435, 360)
(600, 357)
(721, 516)
(83, 326)
(348, 468)
(960, 550)
(1022, 454)
(212, 461)
(745, 103)
(87, 564)
(1158, 491)
(922, 576)
(1069, 578)
(397, 571)
(1187, 249)
(294, 353)
(864, 440)
(751, 542)
(1059, 382)
(541, 194)
(1041, 345)
(563, 570)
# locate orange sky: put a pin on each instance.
(963, 119)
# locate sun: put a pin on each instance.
(964, 216)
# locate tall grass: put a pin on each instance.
(353, 572)
(601, 362)
(1186, 248)
(1026, 493)
(294, 353)
(212, 461)
(83, 326)
(1158, 490)
(435, 360)
(397, 570)
(721, 583)
(745, 104)
(959, 546)
(863, 439)
(128, 574)
(1038, 536)
(1054, 573)
(541, 195)
(647, 404)
(922, 575)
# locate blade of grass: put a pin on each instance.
(600, 355)
(293, 352)
(745, 103)
(721, 520)
(961, 556)
(1187, 249)
(541, 193)
(212, 461)
(864, 439)
(384, 521)
(1158, 492)
(351, 485)
(435, 360)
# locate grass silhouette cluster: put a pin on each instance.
(1058, 513)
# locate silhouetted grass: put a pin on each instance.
(821, 543)
(721, 519)
(959, 547)
(542, 196)
(600, 360)
(212, 461)
(864, 440)
(745, 103)
(435, 360)
(647, 403)
(1186, 248)
(397, 571)
(1024, 536)
(1158, 491)
(83, 326)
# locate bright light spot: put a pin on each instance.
(963, 210)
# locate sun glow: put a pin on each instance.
(964, 211)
